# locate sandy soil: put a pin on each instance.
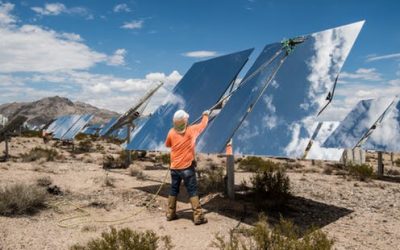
(357, 215)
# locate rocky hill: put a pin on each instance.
(42, 111)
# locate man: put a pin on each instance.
(182, 141)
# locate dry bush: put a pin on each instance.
(100, 148)
(253, 164)
(21, 199)
(272, 185)
(109, 181)
(397, 162)
(40, 153)
(44, 181)
(164, 158)
(126, 238)
(109, 162)
(393, 172)
(84, 146)
(31, 133)
(362, 172)
(136, 172)
(211, 179)
(284, 236)
(328, 170)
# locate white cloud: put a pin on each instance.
(50, 9)
(5, 16)
(200, 53)
(55, 9)
(135, 24)
(123, 7)
(118, 58)
(369, 74)
(56, 63)
(383, 57)
(32, 48)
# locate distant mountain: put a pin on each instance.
(42, 111)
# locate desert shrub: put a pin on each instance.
(271, 183)
(44, 181)
(81, 137)
(31, 133)
(109, 181)
(21, 199)
(40, 153)
(211, 179)
(126, 238)
(253, 164)
(136, 172)
(99, 147)
(163, 158)
(270, 188)
(397, 162)
(362, 172)
(284, 236)
(394, 172)
(84, 146)
(110, 162)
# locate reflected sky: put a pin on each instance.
(103, 131)
(357, 123)
(317, 152)
(77, 127)
(200, 88)
(92, 129)
(386, 136)
(55, 124)
(65, 126)
(281, 122)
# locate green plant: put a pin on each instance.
(21, 199)
(284, 236)
(253, 164)
(362, 172)
(126, 238)
(40, 153)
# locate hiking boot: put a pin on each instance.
(171, 210)
(198, 216)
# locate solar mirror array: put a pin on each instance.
(199, 89)
(373, 124)
(273, 110)
(66, 127)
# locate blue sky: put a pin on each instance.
(107, 53)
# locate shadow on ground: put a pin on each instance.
(304, 213)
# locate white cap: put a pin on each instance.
(180, 115)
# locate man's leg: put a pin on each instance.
(189, 178)
(175, 184)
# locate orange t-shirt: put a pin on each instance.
(183, 145)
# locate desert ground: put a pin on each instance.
(355, 214)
